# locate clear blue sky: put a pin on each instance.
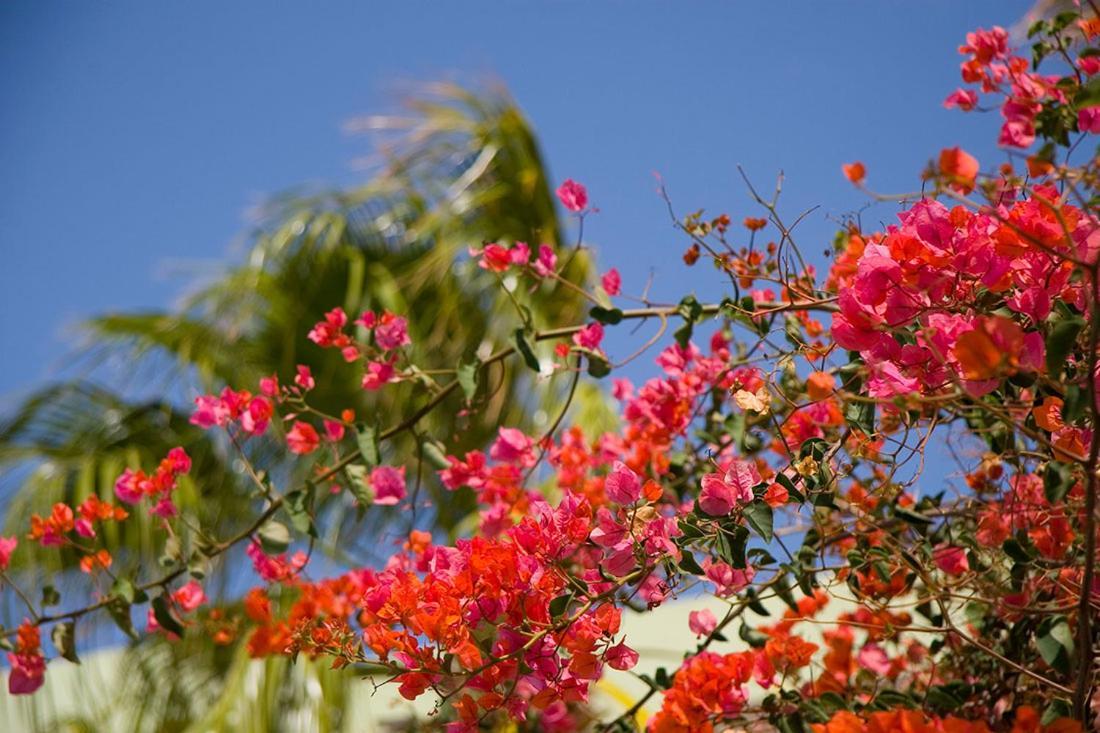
(136, 134)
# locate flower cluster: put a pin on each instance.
(913, 300)
(773, 457)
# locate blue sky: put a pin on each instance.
(137, 134)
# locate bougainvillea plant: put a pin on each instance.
(776, 453)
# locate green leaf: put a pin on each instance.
(123, 588)
(752, 599)
(792, 723)
(367, 437)
(198, 566)
(861, 415)
(761, 518)
(559, 604)
(119, 610)
(941, 698)
(1018, 551)
(359, 485)
(165, 616)
(785, 481)
(63, 637)
(1055, 643)
(467, 378)
(815, 447)
(761, 557)
(888, 699)
(683, 334)
(911, 516)
(434, 453)
(297, 505)
(1060, 342)
(751, 636)
(50, 596)
(1075, 404)
(1057, 481)
(274, 537)
(598, 366)
(1058, 708)
(783, 590)
(519, 338)
(690, 310)
(607, 316)
(172, 552)
(731, 545)
(689, 564)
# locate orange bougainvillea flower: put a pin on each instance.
(755, 224)
(820, 385)
(992, 346)
(959, 169)
(789, 652)
(854, 172)
(1037, 166)
(1090, 27)
(978, 356)
(914, 721)
(91, 563)
(1048, 415)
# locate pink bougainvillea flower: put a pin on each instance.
(1088, 119)
(388, 484)
(189, 596)
(547, 261)
(623, 485)
(334, 430)
(392, 332)
(589, 337)
(270, 385)
(726, 578)
(513, 446)
(330, 332)
(716, 498)
(304, 378)
(302, 438)
(951, 560)
(964, 99)
(28, 673)
(741, 477)
(612, 282)
(275, 569)
(702, 623)
(164, 508)
(28, 666)
(872, 657)
(7, 547)
(128, 487)
(257, 417)
(721, 492)
(573, 195)
(378, 375)
(621, 657)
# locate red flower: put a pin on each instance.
(302, 438)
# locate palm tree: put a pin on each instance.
(461, 168)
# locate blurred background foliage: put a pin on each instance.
(459, 167)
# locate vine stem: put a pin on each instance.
(1084, 609)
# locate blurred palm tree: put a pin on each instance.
(459, 169)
